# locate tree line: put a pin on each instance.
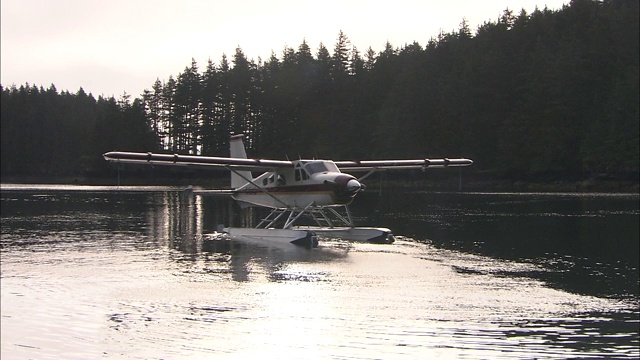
(551, 94)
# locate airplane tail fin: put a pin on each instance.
(237, 151)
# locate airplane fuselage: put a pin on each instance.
(309, 181)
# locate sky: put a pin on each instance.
(109, 47)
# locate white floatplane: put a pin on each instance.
(313, 189)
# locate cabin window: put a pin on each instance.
(305, 176)
(298, 175)
(265, 181)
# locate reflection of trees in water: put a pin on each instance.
(187, 223)
(178, 220)
(174, 217)
(225, 211)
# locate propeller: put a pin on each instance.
(350, 187)
(344, 188)
(353, 186)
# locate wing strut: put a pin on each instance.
(290, 221)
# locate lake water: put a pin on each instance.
(139, 273)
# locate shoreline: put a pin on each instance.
(452, 183)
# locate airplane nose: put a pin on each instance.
(353, 186)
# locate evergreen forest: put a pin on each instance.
(550, 95)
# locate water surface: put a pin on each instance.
(90, 272)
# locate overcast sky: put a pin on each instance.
(109, 47)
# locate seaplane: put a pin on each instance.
(319, 191)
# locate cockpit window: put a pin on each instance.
(315, 167)
(321, 166)
(331, 166)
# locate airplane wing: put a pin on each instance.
(369, 165)
(224, 163)
(242, 164)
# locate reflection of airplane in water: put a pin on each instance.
(245, 259)
(314, 189)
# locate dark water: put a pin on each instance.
(140, 273)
